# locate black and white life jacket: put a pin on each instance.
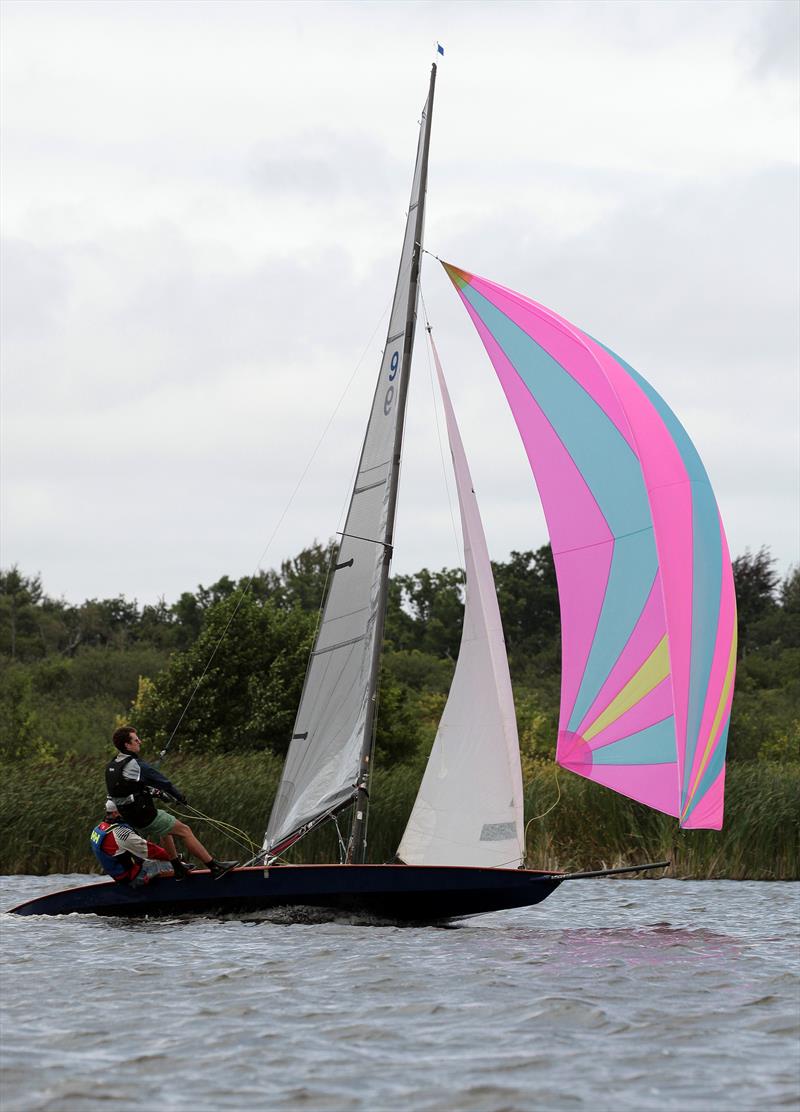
(134, 802)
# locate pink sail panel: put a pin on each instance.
(645, 582)
(584, 557)
(648, 634)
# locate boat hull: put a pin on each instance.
(400, 893)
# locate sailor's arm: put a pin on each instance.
(155, 779)
(127, 839)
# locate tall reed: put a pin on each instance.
(45, 818)
(594, 828)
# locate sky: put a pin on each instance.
(202, 208)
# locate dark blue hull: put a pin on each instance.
(402, 893)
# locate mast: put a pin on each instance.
(357, 846)
(328, 762)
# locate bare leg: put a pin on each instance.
(193, 846)
(168, 842)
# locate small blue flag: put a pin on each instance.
(440, 48)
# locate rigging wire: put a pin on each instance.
(274, 533)
(342, 846)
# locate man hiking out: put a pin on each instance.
(131, 783)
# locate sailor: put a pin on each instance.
(126, 856)
(131, 783)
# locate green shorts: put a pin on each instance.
(161, 824)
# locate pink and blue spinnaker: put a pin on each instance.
(648, 613)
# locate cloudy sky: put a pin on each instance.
(202, 208)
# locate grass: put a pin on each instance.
(593, 828)
(48, 810)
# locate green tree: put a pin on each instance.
(399, 730)
(26, 628)
(188, 613)
(157, 626)
(528, 596)
(755, 582)
(765, 723)
(103, 622)
(301, 581)
(435, 602)
(20, 732)
(400, 632)
(240, 681)
(419, 671)
(224, 588)
(790, 592)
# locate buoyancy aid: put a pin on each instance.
(132, 798)
(122, 867)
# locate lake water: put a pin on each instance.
(611, 995)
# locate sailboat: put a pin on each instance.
(648, 622)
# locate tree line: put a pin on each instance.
(69, 673)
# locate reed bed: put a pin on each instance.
(45, 818)
(593, 828)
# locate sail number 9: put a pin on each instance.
(389, 399)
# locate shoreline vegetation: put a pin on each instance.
(590, 827)
(70, 674)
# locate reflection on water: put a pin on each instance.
(648, 946)
(630, 995)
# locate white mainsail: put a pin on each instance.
(325, 760)
(469, 810)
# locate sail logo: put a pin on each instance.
(388, 401)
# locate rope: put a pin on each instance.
(552, 805)
(266, 548)
(226, 829)
(535, 818)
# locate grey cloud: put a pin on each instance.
(325, 162)
(34, 288)
(697, 286)
(702, 270)
(775, 41)
(175, 316)
(170, 383)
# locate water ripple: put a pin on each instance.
(638, 995)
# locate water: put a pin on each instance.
(611, 995)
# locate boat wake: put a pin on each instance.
(297, 914)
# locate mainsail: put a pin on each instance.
(469, 809)
(648, 611)
(327, 762)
